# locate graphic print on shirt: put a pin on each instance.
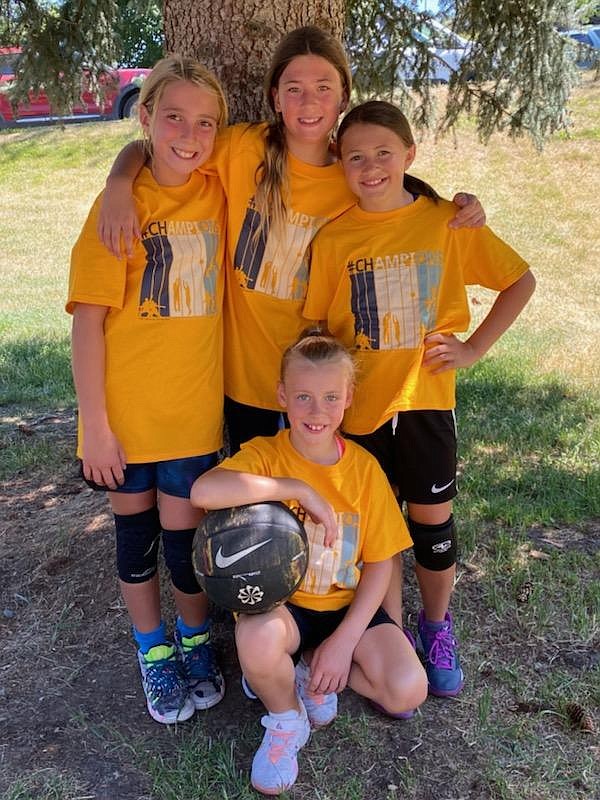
(394, 298)
(332, 566)
(180, 277)
(275, 265)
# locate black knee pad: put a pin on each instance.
(177, 549)
(138, 537)
(434, 545)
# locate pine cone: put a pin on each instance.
(524, 592)
(580, 718)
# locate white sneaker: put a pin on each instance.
(321, 708)
(275, 765)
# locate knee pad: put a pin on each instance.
(138, 537)
(434, 545)
(177, 549)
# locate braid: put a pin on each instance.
(272, 180)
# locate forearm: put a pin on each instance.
(222, 488)
(371, 590)
(88, 361)
(506, 309)
(128, 163)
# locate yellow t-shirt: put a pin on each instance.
(383, 281)
(371, 527)
(267, 279)
(163, 330)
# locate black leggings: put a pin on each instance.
(245, 422)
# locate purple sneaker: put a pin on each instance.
(438, 645)
(399, 714)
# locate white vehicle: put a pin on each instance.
(447, 49)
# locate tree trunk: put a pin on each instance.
(236, 39)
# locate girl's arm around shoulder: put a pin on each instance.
(331, 661)
(224, 488)
(470, 214)
(102, 455)
(446, 352)
(118, 214)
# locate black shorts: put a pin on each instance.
(245, 422)
(419, 456)
(315, 626)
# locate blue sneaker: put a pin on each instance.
(275, 764)
(205, 682)
(165, 686)
(438, 646)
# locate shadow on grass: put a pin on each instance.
(528, 446)
(36, 372)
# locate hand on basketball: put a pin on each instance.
(320, 511)
(103, 458)
(446, 352)
(330, 665)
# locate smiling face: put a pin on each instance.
(182, 130)
(375, 160)
(310, 98)
(315, 396)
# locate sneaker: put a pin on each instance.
(165, 685)
(247, 689)
(204, 679)
(275, 765)
(398, 714)
(438, 645)
(321, 708)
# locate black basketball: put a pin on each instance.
(250, 558)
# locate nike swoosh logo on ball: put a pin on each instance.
(435, 489)
(223, 561)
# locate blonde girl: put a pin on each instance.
(332, 632)
(147, 364)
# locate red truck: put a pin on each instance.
(121, 88)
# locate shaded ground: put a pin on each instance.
(71, 704)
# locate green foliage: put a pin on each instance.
(59, 41)
(140, 32)
(517, 75)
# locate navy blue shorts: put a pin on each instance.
(174, 477)
(418, 456)
(315, 626)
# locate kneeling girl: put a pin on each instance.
(354, 525)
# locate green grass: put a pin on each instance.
(44, 785)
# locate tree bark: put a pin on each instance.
(236, 39)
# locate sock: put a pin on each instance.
(145, 641)
(435, 626)
(285, 715)
(192, 630)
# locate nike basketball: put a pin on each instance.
(250, 558)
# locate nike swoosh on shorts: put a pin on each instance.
(435, 489)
